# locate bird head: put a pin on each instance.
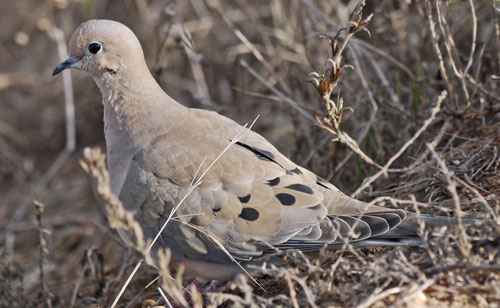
(103, 49)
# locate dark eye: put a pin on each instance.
(94, 47)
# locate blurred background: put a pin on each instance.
(242, 59)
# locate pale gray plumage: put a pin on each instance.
(251, 197)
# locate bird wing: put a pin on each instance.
(250, 199)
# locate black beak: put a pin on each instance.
(66, 64)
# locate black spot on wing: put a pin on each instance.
(262, 154)
(244, 199)
(249, 213)
(320, 179)
(321, 182)
(301, 187)
(286, 199)
(296, 171)
(267, 154)
(274, 182)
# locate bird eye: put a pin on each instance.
(94, 48)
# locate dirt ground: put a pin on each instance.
(254, 58)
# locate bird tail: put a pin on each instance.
(406, 234)
(412, 222)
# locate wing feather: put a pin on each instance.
(252, 197)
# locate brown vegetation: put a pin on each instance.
(415, 109)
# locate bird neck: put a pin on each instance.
(136, 109)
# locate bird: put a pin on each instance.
(252, 200)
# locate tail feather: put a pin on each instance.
(378, 230)
(409, 227)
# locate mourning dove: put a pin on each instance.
(251, 199)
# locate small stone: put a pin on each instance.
(21, 38)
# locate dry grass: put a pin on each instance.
(242, 59)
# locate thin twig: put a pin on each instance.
(255, 52)
(437, 139)
(202, 92)
(60, 160)
(277, 92)
(378, 297)
(449, 43)
(124, 287)
(164, 297)
(497, 31)
(313, 8)
(437, 50)
(43, 253)
(465, 245)
(373, 113)
(424, 126)
(462, 266)
(420, 289)
(77, 285)
(474, 35)
(141, 291)
(293, 293)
